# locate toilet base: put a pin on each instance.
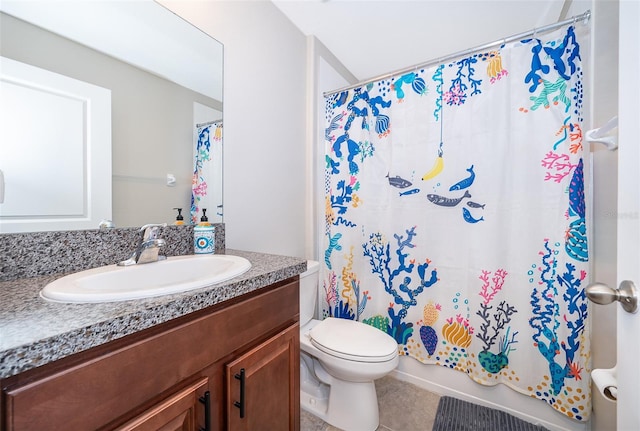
(313, 393)
(315, 401)
(346, 405)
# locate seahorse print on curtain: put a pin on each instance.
(455, 216)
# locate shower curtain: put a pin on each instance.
(203, 170)
(455, 216)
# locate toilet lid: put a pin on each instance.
(349, 339)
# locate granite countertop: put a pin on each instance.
(34, 332)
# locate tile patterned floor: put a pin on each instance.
(403, 407)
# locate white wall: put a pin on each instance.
(264, 122)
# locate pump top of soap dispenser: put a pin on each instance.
(179, 218)
(204, 220)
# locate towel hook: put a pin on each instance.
(598, 135)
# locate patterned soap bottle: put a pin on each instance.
(204, 241)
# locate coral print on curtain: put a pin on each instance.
(455, 216)
(207, 136)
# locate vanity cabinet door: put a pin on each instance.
(263, 385)
(178, 412)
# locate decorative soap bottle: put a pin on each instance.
(204, 236)
(179, 218)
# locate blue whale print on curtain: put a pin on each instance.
(455, 216)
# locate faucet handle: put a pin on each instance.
(106, 224)
(150, 231)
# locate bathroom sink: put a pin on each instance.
(120, 283)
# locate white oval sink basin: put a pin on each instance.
(121, 283)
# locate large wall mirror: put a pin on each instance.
(161, 81)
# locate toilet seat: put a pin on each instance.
(352, 340)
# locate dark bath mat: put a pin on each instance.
(457, 415)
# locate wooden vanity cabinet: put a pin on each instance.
(162, 378)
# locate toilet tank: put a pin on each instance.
(309, 291)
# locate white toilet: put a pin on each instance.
(340, 359)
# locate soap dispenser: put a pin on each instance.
(179, 218)
(204, 236)
(204, 220)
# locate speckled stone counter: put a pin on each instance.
(34, 332)
(46, 253)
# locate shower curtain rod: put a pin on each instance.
(585, 16)
(208, 123)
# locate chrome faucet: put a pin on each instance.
(148, 246)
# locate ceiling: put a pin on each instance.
(373, 38)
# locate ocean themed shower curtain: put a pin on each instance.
(455, 216)
(207, 135)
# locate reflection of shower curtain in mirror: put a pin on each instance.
(203, 168)
(455, 216)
